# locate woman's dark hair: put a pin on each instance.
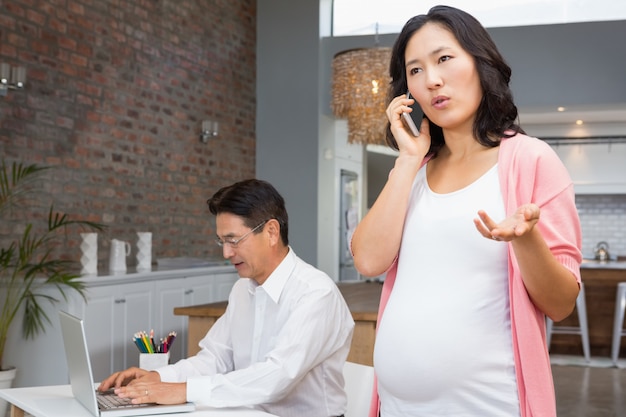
(497, 114)
(255, 201)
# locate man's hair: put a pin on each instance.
(255, 201)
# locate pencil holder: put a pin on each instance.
(152, 361)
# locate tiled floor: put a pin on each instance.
(589, 391)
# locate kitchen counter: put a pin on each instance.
(600, 279)
(116, 306)
(362, 299)
(593, 264)
(158, 272)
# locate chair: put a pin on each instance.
(582, 328)
(359, 383)
(618, 321)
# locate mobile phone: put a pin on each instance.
(413, 119)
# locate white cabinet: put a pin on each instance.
(595, 168)
(168, 295)
(223, 283)
(116, 308)
(113, 313)
(182, 292)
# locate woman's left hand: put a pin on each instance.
(520, 223)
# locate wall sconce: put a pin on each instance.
(209, 130)
(12, 78)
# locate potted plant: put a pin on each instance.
(28, 264)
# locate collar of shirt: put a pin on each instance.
(275, 283)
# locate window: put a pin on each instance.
(361, 17)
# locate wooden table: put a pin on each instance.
(362, 299)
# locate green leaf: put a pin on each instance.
(27, 266)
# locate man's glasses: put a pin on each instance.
(233, 243)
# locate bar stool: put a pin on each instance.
(582, 328)
(618, 321)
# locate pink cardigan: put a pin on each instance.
(530, 172)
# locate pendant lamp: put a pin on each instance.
(360, 82)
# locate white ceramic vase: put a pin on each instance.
(89, 256)
(6, 380)
(144, 251)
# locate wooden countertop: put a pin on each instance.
(202, 310)
(600, 281)
(362, 299)
(593, 264)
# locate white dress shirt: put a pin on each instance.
(279, 347)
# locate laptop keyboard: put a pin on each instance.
(108, 401)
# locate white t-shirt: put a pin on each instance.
(444, 344)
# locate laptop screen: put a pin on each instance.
(76, 353)
(81, 375)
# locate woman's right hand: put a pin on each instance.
(407, 143)
(377, 238)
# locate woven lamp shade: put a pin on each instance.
(359, 92)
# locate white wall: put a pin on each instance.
(287, 122)
(335, 154)
(553, 65)
(595, 168)
(599, 175)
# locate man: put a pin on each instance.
(283, 340)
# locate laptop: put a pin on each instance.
(81, 377)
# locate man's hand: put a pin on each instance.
(122, 378)
(143, 390)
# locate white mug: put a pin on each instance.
(119, 251)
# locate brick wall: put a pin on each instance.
(115, 97)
